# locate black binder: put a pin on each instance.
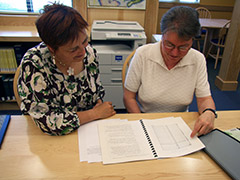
(224, 150)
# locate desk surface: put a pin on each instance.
(27, 153)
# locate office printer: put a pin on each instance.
(114, 41)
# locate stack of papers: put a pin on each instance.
(88, 141)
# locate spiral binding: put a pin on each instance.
(149, 140)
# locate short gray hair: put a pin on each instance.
(181, 19)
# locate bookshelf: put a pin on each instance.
(24, 37)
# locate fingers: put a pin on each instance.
(105, 109)
(200, 131)
(202, 126)
(194, 132)
(108, 102)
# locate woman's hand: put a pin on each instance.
(204, 124)
(103, 110)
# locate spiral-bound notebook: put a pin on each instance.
(146, 139)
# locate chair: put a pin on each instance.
(15, 86)
(219, 43)
(125, 67)
(203, 13)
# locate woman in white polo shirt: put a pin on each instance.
(164, 76)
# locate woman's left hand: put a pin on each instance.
(204, 124)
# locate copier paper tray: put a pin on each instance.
(224, 150)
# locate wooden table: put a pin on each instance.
(27, 153)
(212, 26)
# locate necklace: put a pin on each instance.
(60, 62)
(70, 70)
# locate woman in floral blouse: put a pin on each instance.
(59, 81)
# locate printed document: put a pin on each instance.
(146, 139)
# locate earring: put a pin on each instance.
(53, 59)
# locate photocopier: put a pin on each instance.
(114, 41)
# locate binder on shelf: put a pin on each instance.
(10, 86)
(2, 90)
(19, 52)
(224, 150)
(6, 88)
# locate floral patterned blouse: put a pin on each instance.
(52, 98)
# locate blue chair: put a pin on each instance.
(219, 44)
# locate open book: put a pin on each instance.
(146, 139)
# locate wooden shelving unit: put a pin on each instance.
(18, 34)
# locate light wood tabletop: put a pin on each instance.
(213, 26)
(27, 153)
(212, 23)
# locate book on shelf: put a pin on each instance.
(146, 139)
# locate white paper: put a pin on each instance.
(88, 138)
(123, 141)
(171, 137)
(82, 142)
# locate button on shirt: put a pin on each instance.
(162, 90)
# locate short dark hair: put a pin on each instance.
(59, 24)
(183, 20)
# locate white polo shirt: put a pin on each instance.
(162, 90)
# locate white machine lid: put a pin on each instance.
(116, 25)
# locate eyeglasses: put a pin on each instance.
(171, 46)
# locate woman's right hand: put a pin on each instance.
(104, 110)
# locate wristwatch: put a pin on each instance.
(210, 109)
